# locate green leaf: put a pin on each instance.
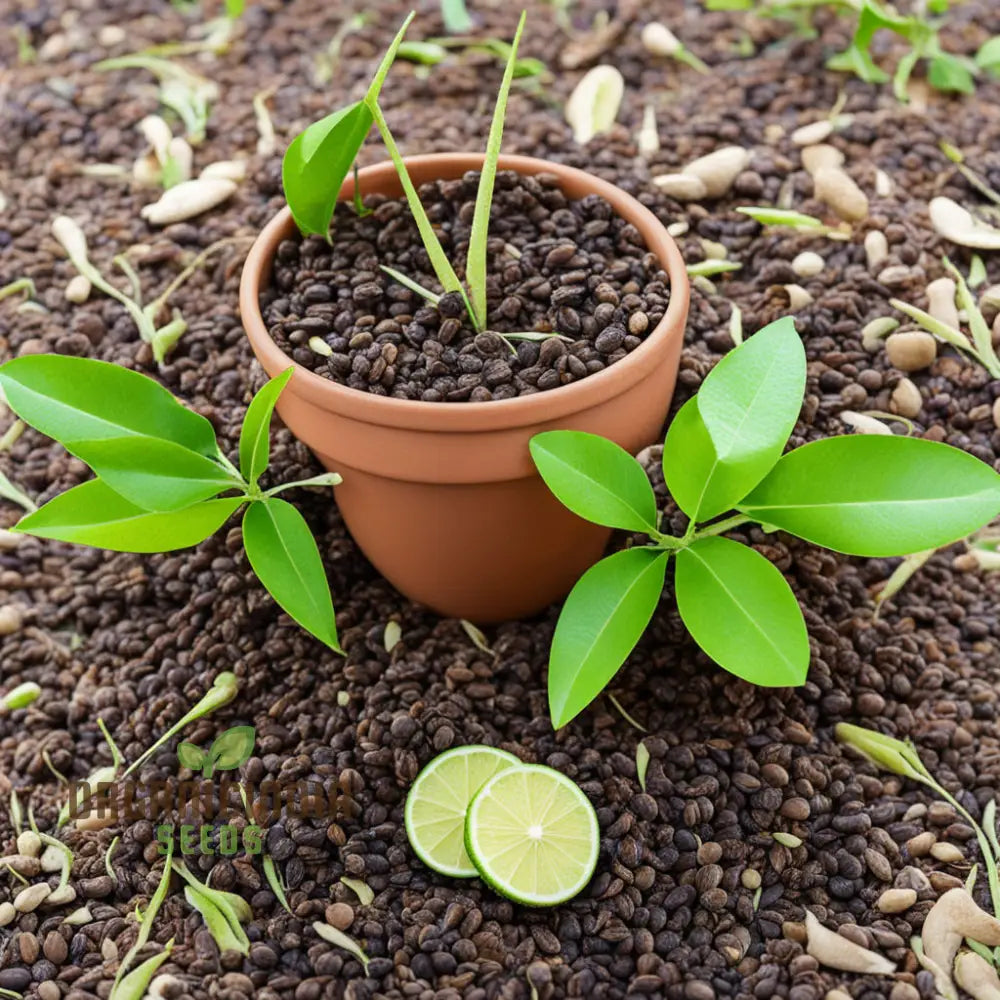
(859, 62)
(93, 514)
(133, 986)
(950, 74)
(870, 495)
(740, 610)
(226, 936)
(317, 162)
(152, 473)
(456, 17)
(596, 479)
(600, 623)
(988, 56)
(255, 435)
(74, 399)
(190, 756)
(425, 53)
(892, 754)
(283, 554)
(475, 267)
(231, 749)
(748, 406)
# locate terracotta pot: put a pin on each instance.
(443, 498)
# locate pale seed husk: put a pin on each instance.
(906, 399)
(839, 191)
(959, 225)
(78, 289)
(660, 40)
(976, 976)
(911, 350)
(593, 106)
(7, 914)
(941, 302)
(874, 332)
(954, 917)
(948, 853)
(813, 133)
(31, 897)
(718, 170)
(186, 200)
(876, 248)
(896, 900)
(863, 423)
(681, 187)
(808, 264)
(29, 844)
(836, 952)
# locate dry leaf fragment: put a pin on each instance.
(836, 952)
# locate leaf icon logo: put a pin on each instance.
(229, 750)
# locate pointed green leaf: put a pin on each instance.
(226, 936)
(93, 514)
(950, 74)
(151, 473)
(741, 611)
(747, 407)
(456, 17)
(596, 479)
(600, 623)
(870, 495)
(892, 754)
(255, 435)
(133, 986)
(190, 756)
(283, 554)
(232, 748)
(76, 399)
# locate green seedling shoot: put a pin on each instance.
(319, 159)
(163, 482)
(229, 750)
(21, 696)
(863, 495)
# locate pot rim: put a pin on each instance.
(494, 414)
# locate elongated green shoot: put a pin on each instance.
(475, 268)
(414, 286)
(274, 881)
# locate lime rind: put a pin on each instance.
(574, 851)
(437, 803)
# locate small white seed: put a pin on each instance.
(883, 184)
(873, 333)
(837, 995)
(78, 917)
(111, 35)
(230, 170)
(840, 192)
(648, 138)
(7, 914)
(320, 346)
(9, 540)
(863, 423)
(906, 399)
(185, 201)
(78, 289)
(179, 150)
(896, 900)
(146, 170)
(895, 274)
(10, 619)
(29, 844)
(798, 297)
(808, 264)
(109, 950)
(157, 133)
(813, 133)
(676, 229)
(30, 898)
(718, 170)
(682, 187)
(660, 40)
(941, 302)
(948, 853)
(816, 157)
(911, 350)
(52, 859)
(876, 248)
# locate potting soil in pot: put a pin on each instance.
(555, 265)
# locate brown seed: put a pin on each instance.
(920, 845)
(910, 351)
(340, 915)
(55, 948)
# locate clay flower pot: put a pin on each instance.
(443, 498)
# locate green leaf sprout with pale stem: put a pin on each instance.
(862, 495)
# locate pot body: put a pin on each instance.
(443, 498)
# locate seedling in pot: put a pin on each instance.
(163, 482)
(319, 159)
(864, 495)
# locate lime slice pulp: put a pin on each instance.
(438, 800)
(533, 835)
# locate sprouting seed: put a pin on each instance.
(476, 635)
(900, 576)
(226, 939)
(21, 696)
(319, 346)
(360, 889)
(710, 268)
(266, 140)
(641, 764)
(274, 881)
(432, 297)
(341, 940)
(108, 855)
(625, 715)
(593, 106)
(391, 636)
(25, 285)
(787, 839)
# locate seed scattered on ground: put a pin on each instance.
(718, 170)
(896, 900)
(30, 898)
(593, 106)
(941, 302)
(188, 199)
(808, 264)
(682, 187)
(948, 853)
(906, 399)
(911, 351)
(814, 158)
(813, 133)
(876, 248)
(958, 224)
(841, 193)
(78, 289)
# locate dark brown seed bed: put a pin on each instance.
(572, 268)
(673, 911)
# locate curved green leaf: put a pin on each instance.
(741, 611)
(600, 623)
(232, 748)
(725, 440)
(596, 479)
(152, 473)
(283, 554)
(93, 514)
(77, 399)
(874, 495)
(190, 756)
(255, 434)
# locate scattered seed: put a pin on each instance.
(593, 106)
(947, 853)
(7, 914)
(230, 170)
(863, 423)
(977, 977)
(808, 264)
(896, 900)
(188, 199)
(60, 896)
(681, 187)
(787, 839)
(31, 898)
(941, 302)
(816, 157)
(836, 952)
(320, 346)
(911, 350)
(952, 918)
(814, 132)
(29, 844)
(648, 138)
(660, 40)
(840, 192)
(391, 636)
(78, 289)
(876, 248)
(718, 170)
(78, 917)
(798, 297)
(883, 184)
(906, 399)
(959, 225)
(750, 878)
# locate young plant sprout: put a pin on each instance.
(163, 483)
(20, 697)
(224, 913)
(864, 495)
(319, 159)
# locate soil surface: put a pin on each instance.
(572, 268)
(674, 910)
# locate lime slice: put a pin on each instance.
(439, 799)
(533, 835)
